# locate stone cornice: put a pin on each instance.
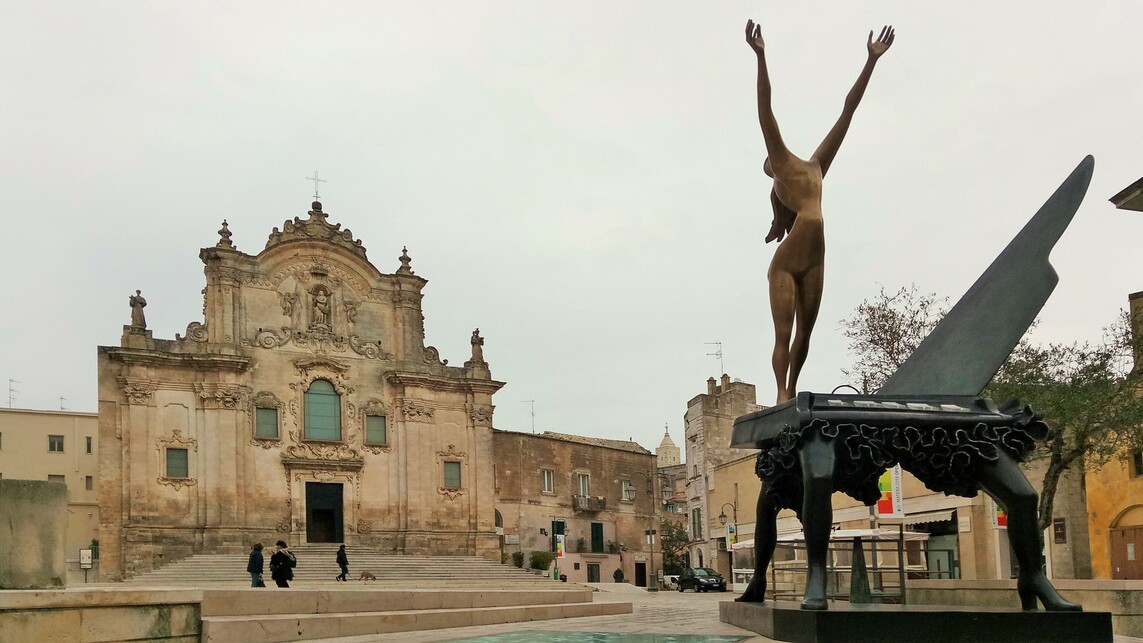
(442, 383)
(192, 360)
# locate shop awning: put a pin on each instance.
(928, 516)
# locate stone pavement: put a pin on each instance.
(654, 613)
(668, 612)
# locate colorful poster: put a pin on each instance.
(559, 546)
(731, 534)
(999, 517)
(891, 503)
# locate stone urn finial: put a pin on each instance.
(406, 261)
(224, 235)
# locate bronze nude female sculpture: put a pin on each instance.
(797, 269)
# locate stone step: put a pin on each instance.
(249, 601)
(300, 627)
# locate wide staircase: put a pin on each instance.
(317, 565)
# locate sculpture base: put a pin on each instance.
(848, 623)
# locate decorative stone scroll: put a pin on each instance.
(196, 331)
(433, 356)
(368, 350)
(318, 229)
(364, 526)
(177, 483)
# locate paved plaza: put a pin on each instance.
(669, 614)
(658, 617)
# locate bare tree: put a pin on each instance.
(1089, 394)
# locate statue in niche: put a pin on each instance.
(321, 308)
(477, 346)
(797, 269)
(137, 302)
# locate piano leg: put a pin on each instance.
(765, 539)
(818, 461)
(1006, 483)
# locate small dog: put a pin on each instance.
(366, 576)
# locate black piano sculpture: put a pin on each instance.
(928, 418)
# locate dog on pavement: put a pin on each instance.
(367, 576)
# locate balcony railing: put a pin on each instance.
(589, 503)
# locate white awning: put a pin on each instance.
(928, 516)
(844, 534)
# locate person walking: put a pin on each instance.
(343, 563)
(282, 565)
(254, 566)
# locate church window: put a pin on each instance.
(375, 430)
(177, 466)
(452, 475)
(323, 412)
(547, 479)
(55, 443)
(266, 423)
(89, 444)
(584, 486)
(628, 491)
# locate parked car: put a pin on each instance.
(701, 579)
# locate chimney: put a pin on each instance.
(711, 387)
(725, 382)
(1135, 309)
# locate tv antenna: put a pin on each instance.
(12, 391)
(533, 403)
(717, 353)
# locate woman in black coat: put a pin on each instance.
(282, 565)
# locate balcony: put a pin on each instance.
(588, 503)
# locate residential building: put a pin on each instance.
(590, 491)
(708, 421)
(60, 446)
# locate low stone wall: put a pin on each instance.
(101, 615)
(32, 537)
(1123, 598)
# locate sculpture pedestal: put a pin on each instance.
(847, 623)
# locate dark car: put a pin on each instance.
(701, 579)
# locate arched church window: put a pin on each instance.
(323, 412)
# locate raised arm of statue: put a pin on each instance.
(828, 148)
(775, 147)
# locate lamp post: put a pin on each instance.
(653, 581)
(722, 521)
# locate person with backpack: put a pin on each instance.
(343, 563)
(282, 565)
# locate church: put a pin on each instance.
(305, 407)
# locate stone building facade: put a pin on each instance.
(592, 490)
(708, 421)
(304, 407)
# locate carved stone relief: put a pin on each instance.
(433, 356)
(414, 410)
(137, 393)
(223, 397)
(480, 414)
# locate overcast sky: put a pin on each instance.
(580, 180)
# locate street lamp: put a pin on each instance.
(653, 582)
(722, 521)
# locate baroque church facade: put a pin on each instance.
(304, 407)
